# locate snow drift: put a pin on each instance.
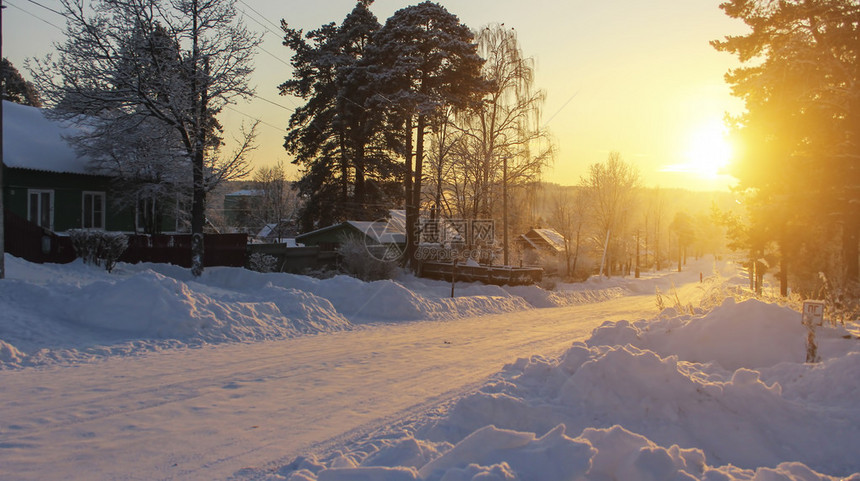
(77, 312)
(724, 395)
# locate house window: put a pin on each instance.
(93, 210)
(146, 214)
(40, 208)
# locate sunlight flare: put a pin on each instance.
(707, 154)
(709, 151)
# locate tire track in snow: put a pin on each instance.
(247, 405)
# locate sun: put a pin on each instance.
(708, 152)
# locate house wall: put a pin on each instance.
(68, 197)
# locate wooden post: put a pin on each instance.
(2, 218)
(453, 276)
(812, 316)
(637, 253)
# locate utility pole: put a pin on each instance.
(637, 254)
(2, 217)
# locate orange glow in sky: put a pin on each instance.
(634, 77)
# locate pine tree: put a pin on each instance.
(423, 61)
(337, 136)
(15, 88)
(801, 129)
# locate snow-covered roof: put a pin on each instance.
(397, 219)
(271, 229)
(447, 233)
(552, 237)
(380, 231)
(32, 141)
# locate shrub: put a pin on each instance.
(261, 262)
(357, 261)
(98, 247)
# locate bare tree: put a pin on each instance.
(502, 140)
(652, 224)
(279, 200)
(612, 186)
(177, 62)
(569, 213)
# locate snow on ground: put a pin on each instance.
(719, 392)
(722, 394)
(80, 312)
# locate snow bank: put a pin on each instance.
(724, 395)
(75, 311)
(749, 334)
(150, 304)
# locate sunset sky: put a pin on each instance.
(635, 77)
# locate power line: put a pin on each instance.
(274, 103)
(261, 15)
(47, 8)
(34, 15)
(279, 129)
(256, 21)
(279, 59)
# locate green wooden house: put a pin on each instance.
(45, 182)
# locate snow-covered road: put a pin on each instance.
(209, 412)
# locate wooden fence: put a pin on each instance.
(296, 260)
(497, 275)
(28, 241)
(218, 249)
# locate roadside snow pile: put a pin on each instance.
(724, 395)
(749, 334)
(150, 304)
(361, 301)
(117, 315)
(75, 312)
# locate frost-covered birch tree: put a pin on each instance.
(611, 186)
(278, 202)
(502, 142)
(132, 68)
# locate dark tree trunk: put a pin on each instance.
(412, 220)
(2, 217)
(198, 216)
(505, 209)
(850, 239)
(419, 162)
(198, 189)
(359, 179)
(783, 275)
(408, 207)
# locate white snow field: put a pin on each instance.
(147, 373)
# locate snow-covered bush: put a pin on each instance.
(261, 262)
(841, 299)
(98, 247)
(357, 261)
